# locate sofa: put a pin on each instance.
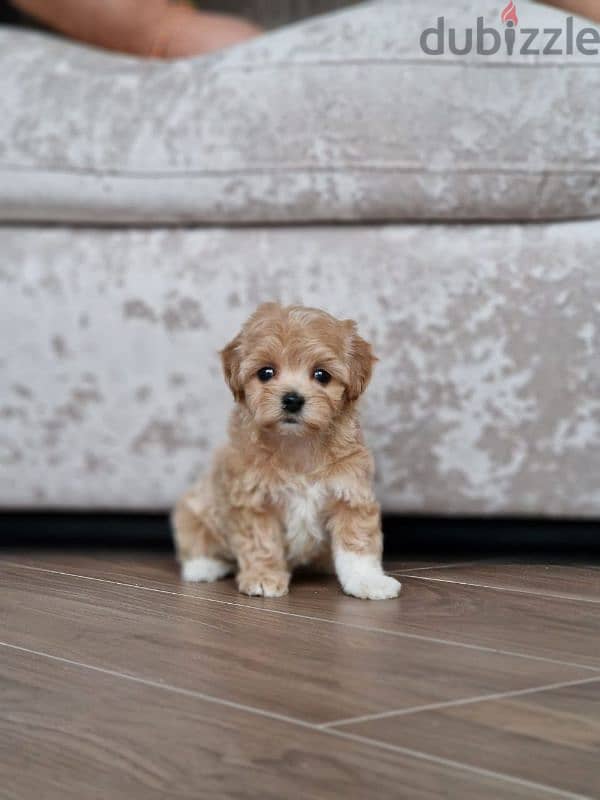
(449, 203)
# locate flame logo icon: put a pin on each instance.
(509, 14)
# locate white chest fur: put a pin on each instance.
(302, 505)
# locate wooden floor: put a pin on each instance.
(119, 681)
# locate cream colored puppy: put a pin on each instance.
(293, 485)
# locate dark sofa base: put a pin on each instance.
(403, 534)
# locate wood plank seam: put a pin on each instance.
(439, 566)
(409, 752)
(552, 790)
(308, 617)
(461, 701)
(159, 684)
(535, 593)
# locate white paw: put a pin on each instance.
(361, 576)
(205, 569)
(376, 586)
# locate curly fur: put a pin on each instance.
(285, 492)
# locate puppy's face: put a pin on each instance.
(296, 368)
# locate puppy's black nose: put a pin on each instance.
(292, 402)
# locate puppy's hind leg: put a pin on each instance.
(197, 547)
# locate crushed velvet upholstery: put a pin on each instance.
(486, 397)
(341, 117)
(487, 394)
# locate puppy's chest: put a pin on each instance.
(302, 507)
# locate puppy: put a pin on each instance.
(294, 484)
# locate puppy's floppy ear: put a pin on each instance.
(361, 360)
(231, 359)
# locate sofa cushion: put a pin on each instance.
(341, 117)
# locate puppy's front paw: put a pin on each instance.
(264, 584)
(375, 586)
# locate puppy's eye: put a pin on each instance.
(265, 374)
(321, 376)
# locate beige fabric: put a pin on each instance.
(486, 397)
(340, 117)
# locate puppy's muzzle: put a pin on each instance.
(292, 402)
